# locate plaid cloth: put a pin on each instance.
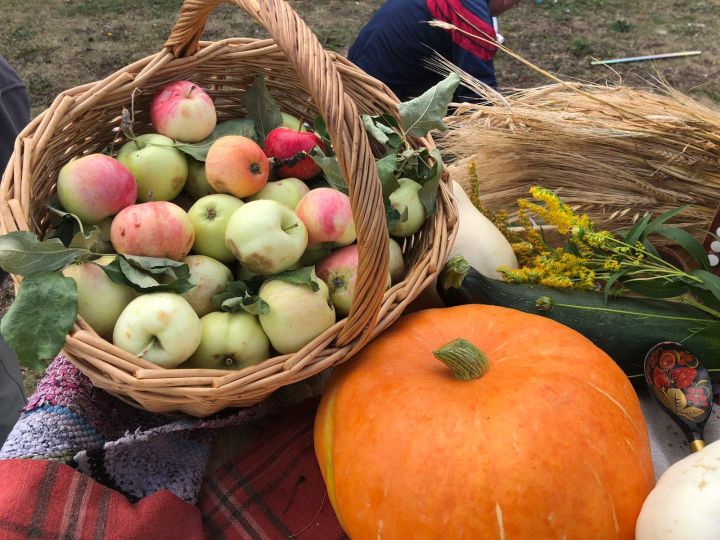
(273, 490)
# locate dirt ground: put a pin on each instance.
(79, 41)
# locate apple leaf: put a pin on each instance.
(21, 253)
(242, 126)
(149, 274)
(393, 217)
(330, 168)
(426, 112)
(40, 318)
(238, 296)
(93, 241)
(429, 178)
(381, 129)
(299, 276)
(262, 107)
(388, 174)
(322, 132)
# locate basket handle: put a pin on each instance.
(321, 79)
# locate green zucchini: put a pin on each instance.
(625, 328)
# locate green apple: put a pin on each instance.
(297, 314)
(159, 168)
(197, 185)
(209, 216)
(100, 300)
(210, 277)
(162, 328)
(407, 198)
(266, 237)
(289, 121)
(397, 263)
(230, 341)
(288, 191)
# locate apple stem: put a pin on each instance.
(154, 341)
(290, 227)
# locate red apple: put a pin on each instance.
(339, 271)
(153, 229)
(237, 166)
(95, 187)
(183, 111)
(327, 216)
(287, 147)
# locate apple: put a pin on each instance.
(160, 327)
(210, 277)
(266, 237)
(327, 215)
(209, 216)
(291, 122)
(95, 187)
(236, 165)
(153, 229)
(339, 271)
(159, 168)
(183, 111)
(288, 191)
(230, 341)
(397, 263)
(197, 185)
(286, 145)
(100, 300)
(406, 197)
(297, 315)
(243, 274)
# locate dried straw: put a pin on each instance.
(613, 152)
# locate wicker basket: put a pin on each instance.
(306, 80)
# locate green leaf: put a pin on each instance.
(330, 168)
(262, 107)
(242, 126)
(637, 230)
(657, 288)
(650, 248)
(688, 242)
(299, 276)
(149, 274)
(386, 169)
(382, 129)
(611, 281)
(321, 130)
(662, 218)
(239, 296)
(710, 281)
(426, 112)
(23, 254)
(430, 181)
(250, 304)
(393, 217)
(40, 318)
(374, 131)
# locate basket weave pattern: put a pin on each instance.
(306, 80)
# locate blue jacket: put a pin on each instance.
(392, 46)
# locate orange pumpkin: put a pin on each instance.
(549, 443)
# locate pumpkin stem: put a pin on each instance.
(466, 361)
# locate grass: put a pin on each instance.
(79, 41)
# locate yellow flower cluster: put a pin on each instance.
(556, 268)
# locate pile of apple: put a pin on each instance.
(254, 214)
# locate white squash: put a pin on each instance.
(685, 503)
(479, 241)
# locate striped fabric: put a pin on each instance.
(273, 490)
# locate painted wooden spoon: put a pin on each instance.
(681, 384)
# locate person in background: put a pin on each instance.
(396, 40)
(14, 116)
